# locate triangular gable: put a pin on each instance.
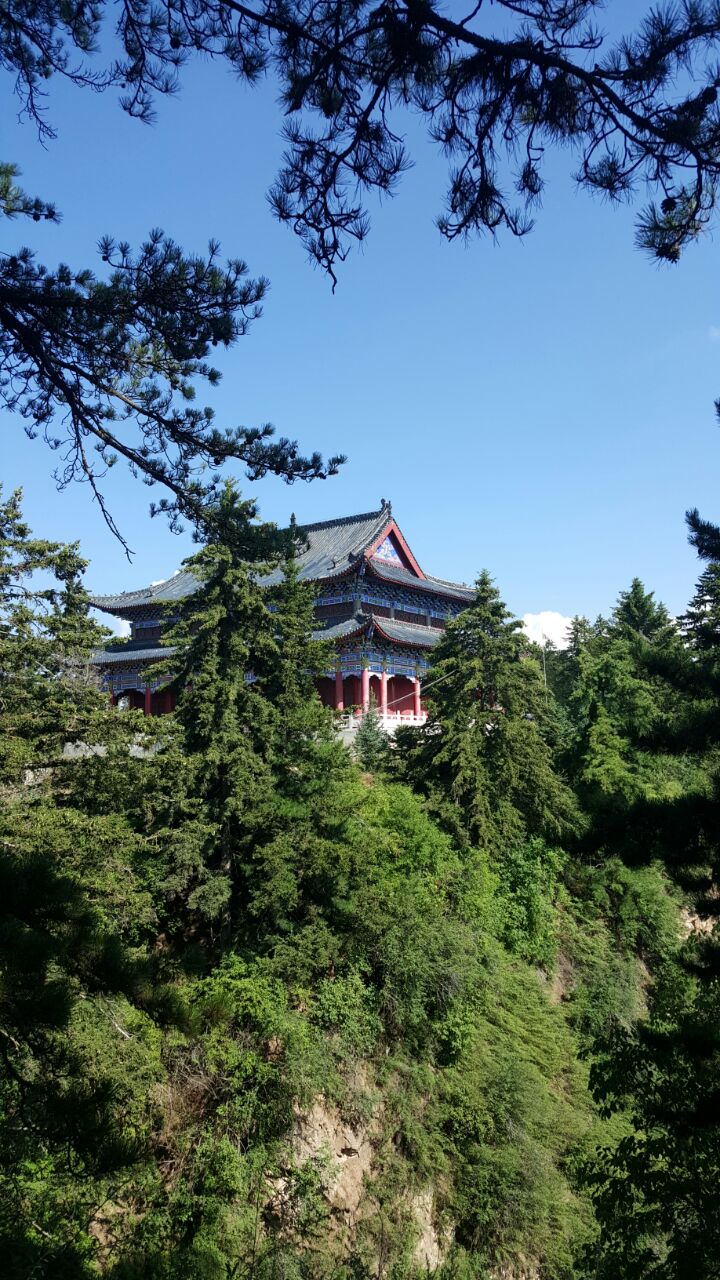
(391, 548)
(389, 552)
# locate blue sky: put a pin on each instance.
(543, 409)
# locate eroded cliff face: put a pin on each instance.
(343, 1151)
(346, 1157)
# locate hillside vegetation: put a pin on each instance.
(270, 1011)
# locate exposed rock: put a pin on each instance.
(694, 923)
(523, 1269)
(348, 1151)
(562, 981)
(429, 1249)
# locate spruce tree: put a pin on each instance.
(615, 701)
(262, 759)
(224, 645)
(50, 693)
(483, 756)
(638, 613)
(291, 873)
(370, 744)
(701, 621)
(290, 680)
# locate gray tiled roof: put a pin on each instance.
(176, 588)
(338, 630)
(407, 632)
(332, 546)
(126, 656)
(390, 628)
(403, 577)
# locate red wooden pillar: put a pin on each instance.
(167, 700)
(365, 689)
(111, 696)
(416, 692)
(383, 693)
(148, 702)
(339, 694)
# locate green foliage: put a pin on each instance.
(370, 745)
(664, 1073)
(346, 1005)
(49, 694)
(219, 929)
(617, 704)
(483, 757)
(488, 91)
(701, 622)
(529, 876)
(653, 1187)
(511, 1107)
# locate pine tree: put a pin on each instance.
(615, 701)
(290, 682)
(262, 759)
(107, 368)
(483, 755)
(314, 789)
(562, 665)
(487, 91)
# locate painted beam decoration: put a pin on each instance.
(382, 613)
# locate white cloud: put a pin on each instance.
(157, 582)
(714, 333)
(547, 625)
(122, 626)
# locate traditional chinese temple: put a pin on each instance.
(382, 612)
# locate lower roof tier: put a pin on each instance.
(369, 627)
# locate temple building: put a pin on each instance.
(374, 602)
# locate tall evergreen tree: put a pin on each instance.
(222, 649)
(48, 691)
(483, 755)
(290, 682)
(262, 757)
(614, 701)
(370, 745)
(655, 1189)
(638, 613)
(701, 621)
(64, 952)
